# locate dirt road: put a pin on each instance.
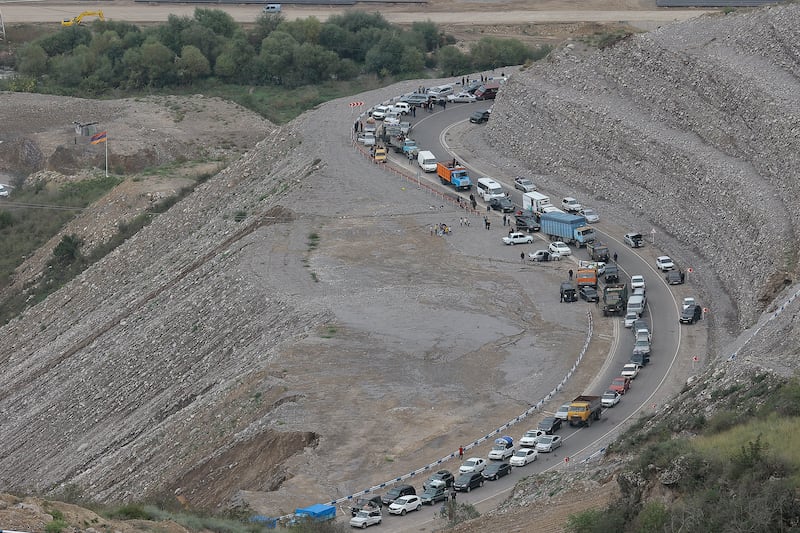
(464, 13)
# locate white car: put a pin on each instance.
(610, 398)
(664, 263)
(379, 112)
(404, 504)
(529, 438)
(637, 282)
(548, 443)
(630, 370)
(590, 215)
(563, 412)
(402, 108)
(364, 518)
(473, 464)
(524, 184)
(630, 318)
(4, 192)
(544, 255)
(559, 248)
(392, 117)
(571, 205)
(462, 98)
(634, 240)
(518, 238)
(523, 456)
(687, 302)
(501, 452)
(367, 138)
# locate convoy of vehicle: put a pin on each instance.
(563, 228)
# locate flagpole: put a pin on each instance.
(106, 143)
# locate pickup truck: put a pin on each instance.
(584, 409)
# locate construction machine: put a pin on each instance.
(79, 18)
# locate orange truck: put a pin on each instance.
(586, 277)
(454, 175)
(584, 409)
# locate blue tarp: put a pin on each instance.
(318, 511)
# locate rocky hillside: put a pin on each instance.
(238, 344)
(693, 128)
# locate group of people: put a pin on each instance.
(440, 229)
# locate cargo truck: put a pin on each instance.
(535, 203)
(586, 277)
(615, 298)
(598, 251)
(454, 175)
(583, 410)
(572, 229)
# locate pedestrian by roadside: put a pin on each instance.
(488, 224)
(615, 257)
(522, 256)
(510, 231)
(460, 453)
(570, 273)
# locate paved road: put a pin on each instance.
(18, 12)
(662, 310)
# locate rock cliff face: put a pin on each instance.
(694, 127)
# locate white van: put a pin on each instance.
(272, 8)
(636, 304)
(426, 161)
(440, 92)
(488, 189)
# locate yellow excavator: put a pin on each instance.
(79, 18)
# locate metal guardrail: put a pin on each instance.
(429, 467)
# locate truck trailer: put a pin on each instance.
(572, 229)
(454, 175)
(535, 203)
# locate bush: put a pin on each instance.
(597, 521)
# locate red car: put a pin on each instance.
(621, 384)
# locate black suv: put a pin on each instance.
(479, 116)
(467, 482)
(550, 424)
(397, 491)
(568, 293)
(611, 273)
(675, 277)
(640, 359)
(527, 223)
(442, 476)
(502, 204)
(691, 314)
(366, 502)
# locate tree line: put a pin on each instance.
(90, 60)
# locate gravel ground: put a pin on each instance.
(331, 337)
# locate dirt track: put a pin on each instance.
(439, 12)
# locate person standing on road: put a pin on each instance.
(488, 224)
(615, 257)
(522, 256)
(570, 273)
(460, 453)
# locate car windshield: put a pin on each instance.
(563, 409)
(608, 395)
(499, 447)
(588, 212)
(521, 453)
(546, 440)
(469, 463)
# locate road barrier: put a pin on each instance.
(432, 466)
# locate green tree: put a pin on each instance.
(32, 60)
(67, 70)
(303, 30)
(265, 24)
(171, 33)
(68, 251)
(205, 40)
(192, 64)
(428, 33)
(277, 55)
(452, 61)
(217, 21)
(313, 64)
(386, 56)
(64, 40)
(159, 64)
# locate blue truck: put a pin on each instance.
(455, 175)
(568, 228)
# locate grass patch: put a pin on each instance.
(779, 435)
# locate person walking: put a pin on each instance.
(522, 256)
(570, 273)
(460, 453)
(615, 257)
(488, 224)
